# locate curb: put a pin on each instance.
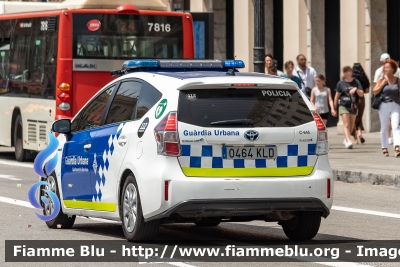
(367, 178)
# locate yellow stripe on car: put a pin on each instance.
(88, 205)
(248, 172)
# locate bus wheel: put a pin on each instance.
(21, 154)
(62, 221)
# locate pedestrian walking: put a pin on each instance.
(306, 74)
(389, 109)
(321, 98)
(359, 74)
(269, 61)
(289, 66)
(348, 91)
(379, 73)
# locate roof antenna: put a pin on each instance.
(231, 72)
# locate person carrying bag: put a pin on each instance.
(387, 99)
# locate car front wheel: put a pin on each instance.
(62, 221)
(304, 226)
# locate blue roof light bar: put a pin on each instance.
(140, 63)
(233, 64)
(171, 64)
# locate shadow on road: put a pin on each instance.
(226, 232)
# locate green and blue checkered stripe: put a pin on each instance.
(210, 156)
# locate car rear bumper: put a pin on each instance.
(194, 197)
(241, 207)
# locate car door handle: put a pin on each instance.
(87, 146)
(122, 140)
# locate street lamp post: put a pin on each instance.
(259, 36)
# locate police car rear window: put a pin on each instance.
(243, 108)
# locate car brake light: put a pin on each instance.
(167, 137)
(322, 137)
(243, 84)
(320, 123)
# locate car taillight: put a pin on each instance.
(166, 135)
(320, 123)
(322, 137)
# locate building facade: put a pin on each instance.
(330, 33)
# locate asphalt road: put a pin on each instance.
(361, 212)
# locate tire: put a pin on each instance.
(304, 226)
(21, 154)
(207, 223)
(133, 224)
(65, 221)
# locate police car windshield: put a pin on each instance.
(112, 36)
(243, 108)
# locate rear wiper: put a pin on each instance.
(234, 122)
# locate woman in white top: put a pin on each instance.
(321, 98)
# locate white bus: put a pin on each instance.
(55, 56)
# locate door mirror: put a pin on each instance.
(62, 126)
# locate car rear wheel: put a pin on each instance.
(304, 226)
(207, 223)
(133, 224)
(62, 220)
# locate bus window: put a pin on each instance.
(33, 50)
(109, 36)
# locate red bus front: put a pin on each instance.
(92, 42)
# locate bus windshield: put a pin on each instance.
(110, 36)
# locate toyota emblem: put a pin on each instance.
(251, 135)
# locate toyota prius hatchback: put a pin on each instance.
(194, 141)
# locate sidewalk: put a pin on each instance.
(364, 163)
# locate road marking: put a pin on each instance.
(16, 202)
(9, 177)
(28, 205)
(181, 264)
(17, 164)
(369, 212)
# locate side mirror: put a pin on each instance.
(62, 126)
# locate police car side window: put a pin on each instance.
(90, 117)
(148, 98)
(124, 103)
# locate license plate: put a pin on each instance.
(241, 152)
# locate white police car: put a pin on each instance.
(194, 141)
